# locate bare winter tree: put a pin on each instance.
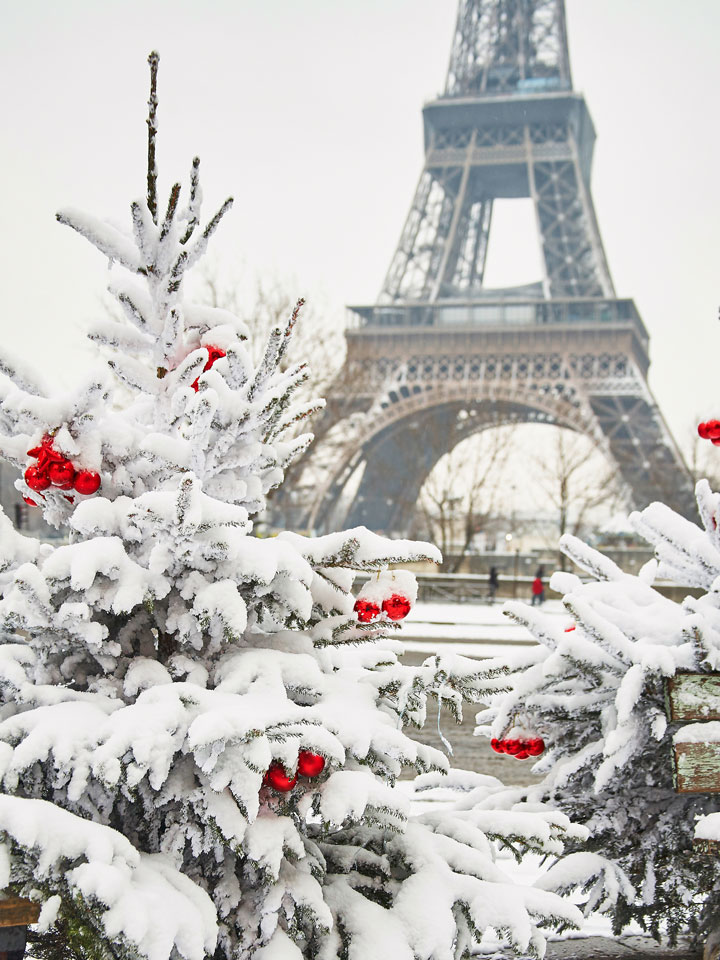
(575, 478)
(463, 494)
(268, 302)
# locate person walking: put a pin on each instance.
(492, 583)
(538, 588)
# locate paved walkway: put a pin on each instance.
(630, 947)
(607, 948)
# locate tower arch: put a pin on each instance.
(507, 125)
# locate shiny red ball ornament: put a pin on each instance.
(29, 501)
(62, 474)
(86, 482)
(310, 764)
(495, 744)
(702, 429)
(278, 779)
(36, 479)
(512, 747)
(536, 746)
(396, 607)
(521, 754)
(214, 353)
(366, 610)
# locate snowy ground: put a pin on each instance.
(473, 629)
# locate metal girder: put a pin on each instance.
(500, 45)
(572, 249)
(590, 379)
(565, 351)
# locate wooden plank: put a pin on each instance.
(693, 696)
(710, 848)
(16, 911)
(697, 767)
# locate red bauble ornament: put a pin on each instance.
(29, 501)
(495, 744)
(86, 482)
(536, 746)
(214, 353)
(713, 429)
(61, 473)
(278, 779)
(396, 607)
(521, 754)
(512, 747)
(310, 764)
(702, 431)
(366, 610)
(37, 479)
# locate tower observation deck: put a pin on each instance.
(441, 356)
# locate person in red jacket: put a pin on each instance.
(538, 588)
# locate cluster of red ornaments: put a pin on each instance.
(710, 430)
(518, 748)
(309, 765)
(53, 469)
(395, 607)
(214, 353)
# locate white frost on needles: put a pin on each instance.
(158, 665)
(141, 898)
(593, 689)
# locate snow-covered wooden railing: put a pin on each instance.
(695, 697)
(15, 915)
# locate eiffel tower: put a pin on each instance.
(440, 356)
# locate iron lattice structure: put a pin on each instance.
(440, 356)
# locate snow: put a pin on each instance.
(708, 827)
(154, 667)
(706, 732)
(470, 629)
(140, 897)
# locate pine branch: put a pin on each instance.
(290, 326)
(140, 230)
(132, 311)
(172, 207)
(193, 210)
(189, 257)
(152, 175)
(21, 379)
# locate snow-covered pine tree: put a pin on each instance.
(593, 689)
(166, 676)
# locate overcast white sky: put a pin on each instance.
(308, 112)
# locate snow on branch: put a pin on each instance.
(142, 901)
(360, 549)
(106, 238)
(16, 369)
